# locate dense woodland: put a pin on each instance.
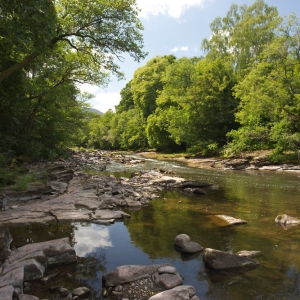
(242, 95)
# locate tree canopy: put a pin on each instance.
(47, 48)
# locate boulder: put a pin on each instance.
(7, 292)
(287, 220)
(220, 260)
(81, 292)
(13, 278)
(57, 251)
(184, 292)
(184, 244)
(124, 274)
(231, 221)
(140, 282)
(237, 164)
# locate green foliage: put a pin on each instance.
(269, 111)
(46, 49)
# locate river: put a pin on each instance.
(148, 236)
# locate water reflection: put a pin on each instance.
(89, 237)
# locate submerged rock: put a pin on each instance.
(220, 260)
(287, 220)
(232, 221)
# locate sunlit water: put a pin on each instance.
(148, 236)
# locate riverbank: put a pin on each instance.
(258, 160)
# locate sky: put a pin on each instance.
(173, 27)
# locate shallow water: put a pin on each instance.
(148, 236)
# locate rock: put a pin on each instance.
(5, 240)
(220, 260)
(231, 220)
(184, 292)
(249, 253)
(81, 292)
(48, 278)
(287, 220)
(124, 274)
(59, 186)
(167, 281)
(14, 278)
(7, 292)
(237, 164)
(32, 269)
(184, 244)
(63, 292)
(57, 251)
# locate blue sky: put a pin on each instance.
(174, 27)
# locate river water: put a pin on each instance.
(148, 236)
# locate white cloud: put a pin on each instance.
(173, 8)
(176, 49)
(90, 238)
(102, 100)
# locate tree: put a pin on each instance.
(53, 46)
(243, 34)
(269, 111)
(98, 31)
(146, 83)
(196, 106)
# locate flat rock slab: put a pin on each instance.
(7, 292)
(14, 278)
(231, 220)
(183, 292)
(220, 260)
(54, 250)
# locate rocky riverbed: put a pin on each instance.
(70, 194)
(73, 195)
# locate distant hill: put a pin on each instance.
(94, 110)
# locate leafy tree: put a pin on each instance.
(127, 101)
(147, 83)
(269, 111)
(47, 47)
(242, 34)
(196, 104)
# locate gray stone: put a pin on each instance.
(184, 292)
(184, 244)
(167, 281)
(57, 251)
(220, 260)
(7, 292)
(195, 191)
(27, 297)
(63, 292)
(124, 274)
(81, 292)
(32, 269)
(14, 278)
